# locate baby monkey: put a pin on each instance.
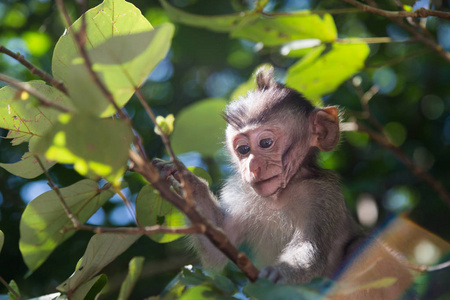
(279, 201)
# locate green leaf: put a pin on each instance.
(134, 270)
(199, 172)
(90, 289)
(101, 250)
(44, 221)
(270, 30)
(28, 122)
(324, 68)
(123, 48)
(13, 286)
(152, 209)
(96, 147)
(224, 23)
(2, 240)
(200, 127)
(277, 30)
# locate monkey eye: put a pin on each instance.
(244, 149)
(266, 143)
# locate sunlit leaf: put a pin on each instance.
(270, 30)
(152, 209)
(200, 127)
(277, 30)
(101, 250)
(90, 289)
(27, 122)
(325, 67)
(134, 270)
(44, 221)
(96, 147)
(123, 48)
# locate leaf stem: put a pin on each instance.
(34, 70)
(26, 87)
(419, 13)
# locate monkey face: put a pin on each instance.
(259, 152)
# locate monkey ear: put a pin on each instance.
(264, 78)
(325, 128)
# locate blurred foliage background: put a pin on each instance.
(413, 106)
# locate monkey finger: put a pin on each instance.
(271, 273)
(165, 168)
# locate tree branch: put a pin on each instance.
(381, 138)
(80, 38)
(216, 235)
(419, 13)
(23, 86)
(394, 16)
(34, 70)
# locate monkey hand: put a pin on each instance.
(171, 172)
(273, 274)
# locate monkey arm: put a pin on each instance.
(208, 205)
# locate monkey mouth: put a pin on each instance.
(257, 185)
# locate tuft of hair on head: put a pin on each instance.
(264, 78)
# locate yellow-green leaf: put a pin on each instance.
(28, 122)
(324, 68)
(152, 209)
(44, 221)
(253, 25)
(123, 48)
(96, 147)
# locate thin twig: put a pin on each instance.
(416, 170)
(10, 289)
(419, 13)
(427, 40)
(381, 138)
(181, 170)
(80, 38)
(34, 70)
(196, 228)
(127, 204)
(216, 235)
(54, 187)
(26, 87)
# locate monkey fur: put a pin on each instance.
(279, 201)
